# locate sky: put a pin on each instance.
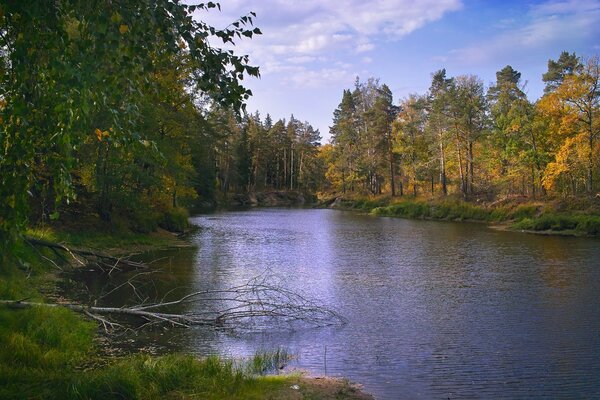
(311, 50)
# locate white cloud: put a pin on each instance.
(304, 32)
(307, 78)
(555, 7)
(301, 59)
(547, 25)
(364, 45)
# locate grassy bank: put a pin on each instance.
(576, 216)
(51, 353)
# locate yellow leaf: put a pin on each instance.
(98, 133)
(116, 17)
(123, 29)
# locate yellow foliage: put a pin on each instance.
(123, 29)
(569, 159)
(116, 17)
(101, 134)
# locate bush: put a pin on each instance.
(524, 211)
(589, 225)
(175, 220)
(143, 220)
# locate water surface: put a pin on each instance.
(435, 310)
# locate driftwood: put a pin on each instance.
(74, 253)
(256, 305)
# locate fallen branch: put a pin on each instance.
(85, 253)
(256, 305)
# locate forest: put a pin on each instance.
(138, 125)
(120, 119)
(463, 138)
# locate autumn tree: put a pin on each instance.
(437, 122)
(567, 64)
(344, 136)
(511, 115)
(574, 106)
(71, 71)
(410, 141)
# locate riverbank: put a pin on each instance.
(51, 352)
(566, 216)
(271, 198)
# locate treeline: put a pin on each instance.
(462, 138)
(117, 110)
(254, 155)
(125, 111)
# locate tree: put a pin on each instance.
(344, 136)
(575, 105)
(567, 64)
(70, 70)
(383, 114)
(438, 111)
(511, 115)
(410, 140)
(468, 110)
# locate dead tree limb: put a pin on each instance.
(74, 253)
(256, 305)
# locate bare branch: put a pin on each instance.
(74, 253)
(256, 305)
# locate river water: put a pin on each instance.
(435, 310)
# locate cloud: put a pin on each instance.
(308, 78)
(548, 24)
(307, 32)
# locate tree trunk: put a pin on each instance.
(471, 168)
(532, 181)
(285, 165)
(443, 168)
(102, 171)
(256, 164)
(391, 159)
(590, 177)
(292, 168)
(460, 168)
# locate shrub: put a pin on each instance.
(524, 211)
(175, 220)
(589, 225)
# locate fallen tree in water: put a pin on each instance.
(83, 257)
(256, 305)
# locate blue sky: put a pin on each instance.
(311, 50)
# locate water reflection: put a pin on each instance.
(435, 310)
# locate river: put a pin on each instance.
(435, 310)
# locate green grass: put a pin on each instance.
(49, 353)
(103, 240)
(172, 376)
(265, 361)
(558, 216)
(577, 224)
(443, 210)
